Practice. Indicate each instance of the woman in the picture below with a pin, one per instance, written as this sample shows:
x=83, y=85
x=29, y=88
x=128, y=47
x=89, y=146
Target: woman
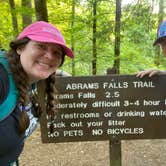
x=35, y=55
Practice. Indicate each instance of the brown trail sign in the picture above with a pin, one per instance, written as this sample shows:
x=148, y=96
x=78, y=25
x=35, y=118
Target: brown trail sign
x=96, y=108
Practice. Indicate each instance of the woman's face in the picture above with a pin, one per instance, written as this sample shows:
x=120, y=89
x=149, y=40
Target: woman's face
x=39, y=60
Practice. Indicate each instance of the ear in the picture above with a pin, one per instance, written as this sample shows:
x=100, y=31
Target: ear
x=18, y=50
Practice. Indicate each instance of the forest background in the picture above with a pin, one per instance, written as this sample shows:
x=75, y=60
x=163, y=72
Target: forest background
x=103, y=34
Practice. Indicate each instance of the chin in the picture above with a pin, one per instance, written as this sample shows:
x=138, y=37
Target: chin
x=43, y=77
x=38, y=78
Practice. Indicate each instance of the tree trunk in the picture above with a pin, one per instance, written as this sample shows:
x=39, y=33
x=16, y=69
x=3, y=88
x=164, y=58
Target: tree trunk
x=26, y=19
x=41, y=10
x=72, y=35
x=14, y=16
x=94, y=53
x=116, y=65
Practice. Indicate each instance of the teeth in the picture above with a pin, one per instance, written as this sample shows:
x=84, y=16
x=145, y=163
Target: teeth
x=43, y=64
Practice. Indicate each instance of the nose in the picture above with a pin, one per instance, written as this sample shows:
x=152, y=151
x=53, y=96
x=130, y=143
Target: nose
x=55, y=59
x=49, y=55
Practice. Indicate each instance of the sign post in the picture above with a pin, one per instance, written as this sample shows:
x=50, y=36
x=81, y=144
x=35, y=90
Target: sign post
x=114, y=145
x=115, y=152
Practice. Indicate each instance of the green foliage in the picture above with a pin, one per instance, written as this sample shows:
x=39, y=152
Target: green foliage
x=7, y=33
x=5, y=28
x=138, y=31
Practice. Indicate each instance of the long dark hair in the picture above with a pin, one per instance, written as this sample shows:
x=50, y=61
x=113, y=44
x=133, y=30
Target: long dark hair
x=23, y=86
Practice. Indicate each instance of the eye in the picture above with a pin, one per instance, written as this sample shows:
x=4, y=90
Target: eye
x=58, y=53
x=41, y=46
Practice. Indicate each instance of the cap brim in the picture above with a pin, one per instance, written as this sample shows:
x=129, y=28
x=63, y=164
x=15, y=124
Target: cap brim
x=66, y=50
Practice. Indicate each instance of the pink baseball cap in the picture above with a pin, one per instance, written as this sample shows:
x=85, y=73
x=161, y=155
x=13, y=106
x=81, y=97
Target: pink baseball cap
x=45, y=32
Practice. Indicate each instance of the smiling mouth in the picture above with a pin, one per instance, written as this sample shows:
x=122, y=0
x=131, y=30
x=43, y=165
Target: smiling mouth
x=45, y=65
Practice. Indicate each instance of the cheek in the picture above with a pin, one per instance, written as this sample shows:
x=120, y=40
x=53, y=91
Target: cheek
x=26, y=60
x=58, y=61
x=23, y=60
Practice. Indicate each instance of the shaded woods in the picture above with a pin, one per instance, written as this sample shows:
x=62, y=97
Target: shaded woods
x=110, y=34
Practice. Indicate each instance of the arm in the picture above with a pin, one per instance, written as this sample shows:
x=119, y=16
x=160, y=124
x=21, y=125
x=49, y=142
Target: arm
x=150, y=73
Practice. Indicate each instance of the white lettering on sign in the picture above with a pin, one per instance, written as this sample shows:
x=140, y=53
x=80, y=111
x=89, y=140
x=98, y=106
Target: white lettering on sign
x=108, y=114
x=132, y=131
x=115, y=85
x=150, y=102
x=57, y=125
x=94, y=124
x=64, y=96
x=97, y=132
x=106, y=104
x=76, y=124
x=130, y=113
x=128, y=103
x=88, y=95
x=157, y=113
x=112, y=94
x=141, y=84
x=72, y=133
x=81, y=86
x=116, y=123
x=54, y=134
x=71, y=105
x=80, y=115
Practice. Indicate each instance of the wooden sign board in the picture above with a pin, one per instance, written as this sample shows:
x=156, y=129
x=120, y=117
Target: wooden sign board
x=95, y=108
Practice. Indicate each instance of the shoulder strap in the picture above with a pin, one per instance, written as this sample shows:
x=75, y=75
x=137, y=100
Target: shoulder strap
x=10, y=102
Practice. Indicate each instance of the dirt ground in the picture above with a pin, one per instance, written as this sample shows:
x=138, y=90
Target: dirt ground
x=134, y=153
